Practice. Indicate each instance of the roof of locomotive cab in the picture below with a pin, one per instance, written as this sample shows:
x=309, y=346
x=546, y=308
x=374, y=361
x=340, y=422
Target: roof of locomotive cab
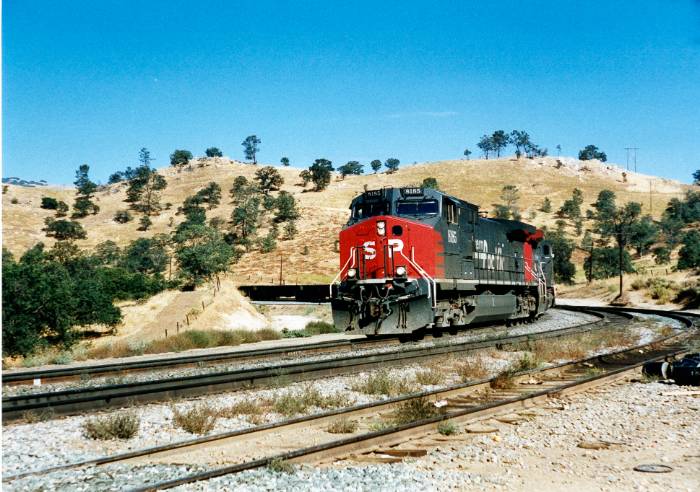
x=391, y=193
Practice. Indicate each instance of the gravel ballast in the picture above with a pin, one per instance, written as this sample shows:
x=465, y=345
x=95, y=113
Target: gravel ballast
x=44, y=444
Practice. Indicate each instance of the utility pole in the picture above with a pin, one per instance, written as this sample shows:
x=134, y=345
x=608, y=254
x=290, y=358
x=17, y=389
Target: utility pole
x=634, y=155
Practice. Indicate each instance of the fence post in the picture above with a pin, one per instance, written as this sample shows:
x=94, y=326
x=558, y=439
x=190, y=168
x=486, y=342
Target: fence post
x=166, y=333
x=187, y=318
x=202, y=305
x=177, y=326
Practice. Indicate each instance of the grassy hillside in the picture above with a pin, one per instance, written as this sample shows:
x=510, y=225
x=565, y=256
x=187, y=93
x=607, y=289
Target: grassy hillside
x=324, y=213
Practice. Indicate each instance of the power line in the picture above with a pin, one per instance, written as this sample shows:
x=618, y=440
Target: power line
x=635, y=149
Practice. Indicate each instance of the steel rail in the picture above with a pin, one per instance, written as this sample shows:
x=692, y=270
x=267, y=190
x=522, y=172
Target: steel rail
x=45, y=376
x=397, y=434
x=374, y=408
x=70, y=401
x=67, y=373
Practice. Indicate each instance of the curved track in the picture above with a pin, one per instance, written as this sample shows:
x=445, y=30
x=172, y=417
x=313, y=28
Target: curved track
x=465, y=402
x=72, y=401
x=121, y=368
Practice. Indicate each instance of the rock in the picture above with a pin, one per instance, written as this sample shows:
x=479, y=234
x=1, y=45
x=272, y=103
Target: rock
x=480, y=429
x=593, y=445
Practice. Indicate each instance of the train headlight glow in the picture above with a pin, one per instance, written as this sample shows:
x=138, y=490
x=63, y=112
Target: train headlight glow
x=400, y=271
x=352, y=273
x=381, y=227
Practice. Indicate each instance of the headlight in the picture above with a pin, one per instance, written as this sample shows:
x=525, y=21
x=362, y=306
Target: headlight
x=381, y=227
x=400, y=271
x=352, y=272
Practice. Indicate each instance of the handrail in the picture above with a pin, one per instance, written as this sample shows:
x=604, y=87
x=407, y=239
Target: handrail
x=424, y=274
x=352, y=257
x=541, y=281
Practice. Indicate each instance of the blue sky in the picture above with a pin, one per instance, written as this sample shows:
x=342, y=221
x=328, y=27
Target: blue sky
x=94, y=81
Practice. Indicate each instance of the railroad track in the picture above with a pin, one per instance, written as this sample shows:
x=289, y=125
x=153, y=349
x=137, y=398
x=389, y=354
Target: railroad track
x=464, y=402
x=45, y=376
x=73, y=401
x=77, y=373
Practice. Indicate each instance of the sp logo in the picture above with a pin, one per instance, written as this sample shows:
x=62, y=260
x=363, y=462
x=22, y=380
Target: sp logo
x=370, y=248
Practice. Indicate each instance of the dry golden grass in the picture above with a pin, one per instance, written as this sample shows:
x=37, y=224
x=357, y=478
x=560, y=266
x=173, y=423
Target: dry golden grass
x=430, y=376
x=469, y=370
x=119, y=426
x=188, y=340
x=342, y=426
x=382, y=383
x=574, y=348
x=310, y=257
x=299, y=401
x=323, y=213
x=199, y=419
x=244, y=407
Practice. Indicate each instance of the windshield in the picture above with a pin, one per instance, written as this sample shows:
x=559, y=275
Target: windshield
x=364, y=210
x=425, y=207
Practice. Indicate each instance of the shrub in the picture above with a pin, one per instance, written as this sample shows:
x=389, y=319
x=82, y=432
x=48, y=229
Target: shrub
x=14, y=201
x=472, y=369
x=243, y=407
x=430, y=183
x=64, y=229
x=662, y=255
x=413, y=410
x=268, y=244
x=49, y=203
x=123, y=216
x=320, y=328
x=200, y=419
x=689, y=297
x=689, y=254
x=41, y=415
x=145, y=222
x=119, y=426
x=430, y=376
x=280, y=466
x=546, y=205
x=293, y=403
x=342, y=426
x=662, y=290
x=290, y=404
x=638, y=284
x=503, y=380
x=382, y=383
x=526, y=362
x=446, y=428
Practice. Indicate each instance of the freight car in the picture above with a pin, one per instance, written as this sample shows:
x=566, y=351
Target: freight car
x=416, y=259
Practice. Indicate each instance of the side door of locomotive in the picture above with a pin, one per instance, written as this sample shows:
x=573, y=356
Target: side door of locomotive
x=466, y=226
x=451, y=226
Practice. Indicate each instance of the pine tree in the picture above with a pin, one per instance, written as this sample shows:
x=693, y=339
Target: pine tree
x=251, y=148
x=85, y=190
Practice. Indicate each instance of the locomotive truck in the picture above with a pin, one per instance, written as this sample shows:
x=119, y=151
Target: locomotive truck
x=416, y=259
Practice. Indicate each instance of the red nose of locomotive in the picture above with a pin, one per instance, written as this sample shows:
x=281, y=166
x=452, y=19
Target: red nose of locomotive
x=388, y=246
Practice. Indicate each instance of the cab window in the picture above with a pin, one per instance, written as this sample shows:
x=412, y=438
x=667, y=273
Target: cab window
x=418, y=208
x=364, y=210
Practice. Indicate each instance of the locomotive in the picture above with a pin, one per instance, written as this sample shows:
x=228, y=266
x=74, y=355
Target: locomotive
x=416, y=259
